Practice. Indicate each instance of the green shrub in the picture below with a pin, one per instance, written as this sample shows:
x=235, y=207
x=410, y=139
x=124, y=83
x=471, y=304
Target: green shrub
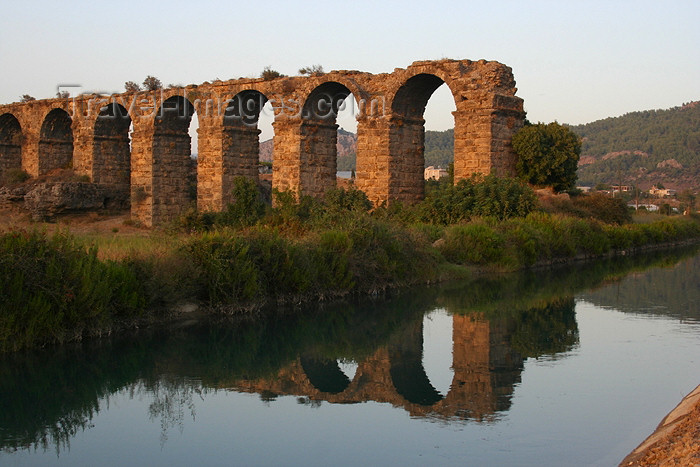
x=283, y=268
x=353, y=200
x=14, y=176
x=51, y=290
x=386, y=255
x=473, y=243
x=523, y=243
x=247, y=206
x=225, y=270
x=246, y=209
x=603, y=208
x=478, y=196
x=398, y=212
x=332, y=261
x=193, y=221
x=292, y=214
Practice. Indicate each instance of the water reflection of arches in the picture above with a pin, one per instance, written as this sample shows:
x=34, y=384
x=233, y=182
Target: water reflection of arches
x=488, y=356
x=324, y=374
x=406, y=368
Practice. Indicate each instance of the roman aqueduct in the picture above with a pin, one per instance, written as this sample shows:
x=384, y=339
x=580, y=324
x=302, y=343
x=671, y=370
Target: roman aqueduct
x=91, y=134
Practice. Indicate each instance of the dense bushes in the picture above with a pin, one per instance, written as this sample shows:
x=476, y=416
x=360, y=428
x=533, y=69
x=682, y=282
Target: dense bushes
x=52, y=290
x=261, y=264
x=245, y=210
x=520, y=242
x=594, y=206
x=477, y=196
x=13, y=176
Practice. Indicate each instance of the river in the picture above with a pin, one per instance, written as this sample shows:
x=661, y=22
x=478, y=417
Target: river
x=572, y=366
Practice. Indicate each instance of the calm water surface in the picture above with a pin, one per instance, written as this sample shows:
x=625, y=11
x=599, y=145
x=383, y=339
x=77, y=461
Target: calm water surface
x=568, y=367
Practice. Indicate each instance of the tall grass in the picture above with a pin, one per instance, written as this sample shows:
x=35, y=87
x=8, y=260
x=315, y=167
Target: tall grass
x=539, y=237
x=52, y=290
x=366, y=255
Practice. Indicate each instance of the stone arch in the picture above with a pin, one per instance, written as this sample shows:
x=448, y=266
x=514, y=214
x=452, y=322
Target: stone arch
x=325, y=374
x=111, y=164
x=407, y=136
x=319, y=137
x=10, y=143
x=55, y=141
x=173, y=170
x=411, y=97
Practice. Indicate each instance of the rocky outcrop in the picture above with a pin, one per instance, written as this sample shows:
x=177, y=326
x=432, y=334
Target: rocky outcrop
x=47, y=200
x=10, y=195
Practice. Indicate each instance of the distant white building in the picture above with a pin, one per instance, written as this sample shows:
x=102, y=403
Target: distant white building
x=432, y=173
x=648, y=207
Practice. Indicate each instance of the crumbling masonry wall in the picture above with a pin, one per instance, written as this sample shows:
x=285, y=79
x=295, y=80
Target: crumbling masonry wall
x=90, y=133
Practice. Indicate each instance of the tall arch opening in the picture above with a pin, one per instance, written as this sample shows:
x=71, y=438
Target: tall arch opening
x=241, y=150
x=319, y=138
x=112, y=149
x=438, y=152
x=174, y=187
x=347, y=138
x=10, y=144
x=407, y=137
x=266, y=156
x=55, y=142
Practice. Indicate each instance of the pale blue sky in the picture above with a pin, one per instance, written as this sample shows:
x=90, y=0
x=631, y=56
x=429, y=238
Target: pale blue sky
x=574, y=62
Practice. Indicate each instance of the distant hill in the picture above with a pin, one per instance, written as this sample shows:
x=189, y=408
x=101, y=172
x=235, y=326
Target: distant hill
x=439, y=148
x=643, y=148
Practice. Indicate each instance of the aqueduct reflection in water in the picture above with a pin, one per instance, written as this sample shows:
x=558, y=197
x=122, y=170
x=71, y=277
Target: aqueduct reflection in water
x=47, y=397
x=485, y=363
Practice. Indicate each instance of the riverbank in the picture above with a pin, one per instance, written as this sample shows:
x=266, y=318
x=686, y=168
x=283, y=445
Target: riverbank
x=676, y=441
x=74, y=283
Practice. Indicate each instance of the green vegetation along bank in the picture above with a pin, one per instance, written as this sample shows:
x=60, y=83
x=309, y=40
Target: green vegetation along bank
x=57, y=288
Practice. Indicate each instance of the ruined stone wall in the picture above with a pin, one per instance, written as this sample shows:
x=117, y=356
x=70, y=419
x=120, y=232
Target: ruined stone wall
x=390, y=134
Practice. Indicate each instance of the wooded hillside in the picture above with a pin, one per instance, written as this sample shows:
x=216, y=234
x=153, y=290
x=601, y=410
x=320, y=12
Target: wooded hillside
x=639, y=148
x=643, y=148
